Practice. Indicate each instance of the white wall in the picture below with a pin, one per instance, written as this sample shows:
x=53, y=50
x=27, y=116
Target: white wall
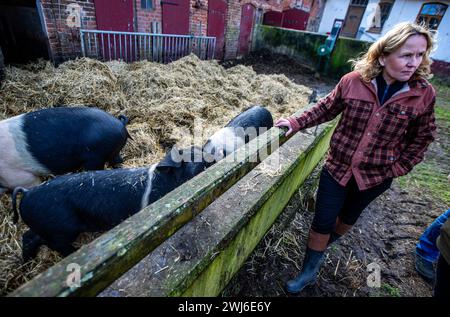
x=334, y=9
x=402, y=10
x=407, y=10
x=363, y=26
x=442, y=52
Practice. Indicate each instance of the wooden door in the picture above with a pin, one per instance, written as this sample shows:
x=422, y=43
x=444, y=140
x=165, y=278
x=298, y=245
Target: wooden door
x=217, y=15
x=247, y=15
x=115, y=15
x=175, y=17
x=295, y=19
x=353, y=19
x=272, y=18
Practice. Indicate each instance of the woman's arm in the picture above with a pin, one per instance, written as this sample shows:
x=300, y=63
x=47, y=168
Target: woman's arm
x=325, y=110
x=421, y=134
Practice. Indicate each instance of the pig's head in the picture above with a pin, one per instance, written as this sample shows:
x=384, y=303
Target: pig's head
x=183, y=164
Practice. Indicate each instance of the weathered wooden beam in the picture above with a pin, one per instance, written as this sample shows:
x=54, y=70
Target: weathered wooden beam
x=201, y=258
x=105, y=259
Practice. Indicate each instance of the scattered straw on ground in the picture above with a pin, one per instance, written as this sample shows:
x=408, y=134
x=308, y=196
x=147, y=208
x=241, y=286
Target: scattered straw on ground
x=162, y=102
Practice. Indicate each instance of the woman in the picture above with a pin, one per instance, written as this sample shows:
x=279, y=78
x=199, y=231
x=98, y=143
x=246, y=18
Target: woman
x=387, y=123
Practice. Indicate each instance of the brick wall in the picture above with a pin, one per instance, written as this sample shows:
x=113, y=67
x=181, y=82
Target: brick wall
x=315, y=15
x=198, y=17
x=234, y=18
x=232, y=29
x=441, y=69
x=145, y=17
x=64, y=39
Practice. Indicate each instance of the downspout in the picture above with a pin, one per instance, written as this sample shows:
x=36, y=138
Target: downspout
x=135, y=20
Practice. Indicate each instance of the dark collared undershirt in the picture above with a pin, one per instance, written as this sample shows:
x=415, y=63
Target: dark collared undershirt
x=385, y=91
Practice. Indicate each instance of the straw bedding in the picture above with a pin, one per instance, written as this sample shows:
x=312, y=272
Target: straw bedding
x=164, y=103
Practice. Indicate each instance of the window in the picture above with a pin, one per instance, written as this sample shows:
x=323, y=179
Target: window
x=147, y=4
x=361, y=3
x=382, y=14
x=431, y=14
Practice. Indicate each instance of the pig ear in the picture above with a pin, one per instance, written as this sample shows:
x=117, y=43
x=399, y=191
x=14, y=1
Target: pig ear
x=171, y=160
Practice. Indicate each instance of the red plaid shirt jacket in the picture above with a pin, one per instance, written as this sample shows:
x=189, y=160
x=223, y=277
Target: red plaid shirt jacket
x=373, y=142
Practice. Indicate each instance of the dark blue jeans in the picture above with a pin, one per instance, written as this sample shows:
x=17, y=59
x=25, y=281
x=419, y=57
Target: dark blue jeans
x=426, y=247
x=347, y=202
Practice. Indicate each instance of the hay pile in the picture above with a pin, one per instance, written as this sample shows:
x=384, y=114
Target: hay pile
x=162, y=102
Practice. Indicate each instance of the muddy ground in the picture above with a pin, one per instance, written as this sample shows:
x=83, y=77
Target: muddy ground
x=385, y=234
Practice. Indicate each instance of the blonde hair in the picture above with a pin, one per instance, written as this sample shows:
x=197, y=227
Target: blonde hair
x=368, y=65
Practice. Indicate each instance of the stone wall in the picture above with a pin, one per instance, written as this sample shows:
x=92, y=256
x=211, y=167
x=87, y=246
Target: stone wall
x=302, y=46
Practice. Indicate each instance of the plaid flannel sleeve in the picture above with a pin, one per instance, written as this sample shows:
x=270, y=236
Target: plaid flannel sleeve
x=421, y=134
x=325, y=110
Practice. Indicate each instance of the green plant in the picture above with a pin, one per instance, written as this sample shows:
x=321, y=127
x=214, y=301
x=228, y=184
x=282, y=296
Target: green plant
x=389, y=290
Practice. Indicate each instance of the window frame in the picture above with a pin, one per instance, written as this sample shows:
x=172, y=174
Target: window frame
x=147, y=2
x=428, y=16
x=378, y=30
x=357, y=3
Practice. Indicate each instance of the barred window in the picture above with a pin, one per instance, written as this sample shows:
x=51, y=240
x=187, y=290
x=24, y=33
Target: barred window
x=431, y=14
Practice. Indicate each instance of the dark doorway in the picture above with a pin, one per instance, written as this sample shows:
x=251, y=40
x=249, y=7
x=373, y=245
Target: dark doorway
x=22, y=35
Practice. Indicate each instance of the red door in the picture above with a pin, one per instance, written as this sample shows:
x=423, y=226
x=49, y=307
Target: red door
x=247, y=14
x=115, y=15
x=272, y=18
x=295, y=19
x=217, y=13
x=175, y=17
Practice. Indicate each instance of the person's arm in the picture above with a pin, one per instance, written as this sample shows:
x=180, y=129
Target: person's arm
x=421, y=134
x=325, y=110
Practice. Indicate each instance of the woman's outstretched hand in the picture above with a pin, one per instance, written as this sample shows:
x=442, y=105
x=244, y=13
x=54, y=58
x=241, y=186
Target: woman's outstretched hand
x=284, y=123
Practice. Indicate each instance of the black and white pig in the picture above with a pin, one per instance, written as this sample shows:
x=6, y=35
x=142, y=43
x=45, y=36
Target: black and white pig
x=57, y=141
x=58, y=210
x=239, y=131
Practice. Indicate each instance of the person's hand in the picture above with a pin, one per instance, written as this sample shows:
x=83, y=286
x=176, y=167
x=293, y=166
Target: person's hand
x=284, y=123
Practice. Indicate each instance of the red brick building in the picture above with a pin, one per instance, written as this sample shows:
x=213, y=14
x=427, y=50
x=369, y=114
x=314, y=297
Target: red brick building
x=53, y=30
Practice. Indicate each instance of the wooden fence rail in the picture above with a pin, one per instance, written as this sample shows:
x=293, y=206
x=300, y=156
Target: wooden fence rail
x=104, y=260
x=202, y=257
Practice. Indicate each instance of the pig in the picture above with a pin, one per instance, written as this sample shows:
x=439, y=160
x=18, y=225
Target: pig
x=57, y=211
x=239, y=131
x=56, y=141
